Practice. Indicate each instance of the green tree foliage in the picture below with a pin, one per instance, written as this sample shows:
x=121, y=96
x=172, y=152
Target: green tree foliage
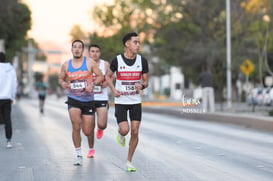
x=191, y=33
x=144, y=17
x=196, y=39
x=114, y=21
x=110, y=46
x=113, y=17
x=258, y=37
x=15, y=21
x=206, y=40
x=77, y=33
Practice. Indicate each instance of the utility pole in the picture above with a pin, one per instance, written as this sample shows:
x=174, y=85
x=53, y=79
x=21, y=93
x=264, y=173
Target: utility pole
x=2, y=45
x=229, y=85
x=31, y=52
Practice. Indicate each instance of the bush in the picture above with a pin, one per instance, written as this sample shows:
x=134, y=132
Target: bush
x=270, y=113
x=167, y=92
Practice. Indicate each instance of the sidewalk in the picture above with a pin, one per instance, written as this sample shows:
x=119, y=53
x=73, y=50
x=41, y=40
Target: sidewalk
x=240, y=113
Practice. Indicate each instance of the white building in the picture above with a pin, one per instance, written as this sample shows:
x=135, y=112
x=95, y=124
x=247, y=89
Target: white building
x=174, y=82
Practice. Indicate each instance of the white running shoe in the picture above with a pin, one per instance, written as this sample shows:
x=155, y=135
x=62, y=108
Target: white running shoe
x=9, y=145
x=130, y=167
x=78, y=161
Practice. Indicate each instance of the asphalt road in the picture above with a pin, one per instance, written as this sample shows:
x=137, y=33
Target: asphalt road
x=170, y=149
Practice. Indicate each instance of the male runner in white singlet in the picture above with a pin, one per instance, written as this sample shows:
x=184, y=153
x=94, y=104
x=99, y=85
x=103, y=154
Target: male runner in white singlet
x=131, y=78
x=100, y=97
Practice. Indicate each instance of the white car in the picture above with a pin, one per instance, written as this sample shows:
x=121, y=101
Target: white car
x=255, y=97
x=268, y=96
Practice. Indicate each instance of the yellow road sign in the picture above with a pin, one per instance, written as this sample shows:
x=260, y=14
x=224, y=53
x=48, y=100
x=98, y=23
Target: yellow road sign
x=247, y=67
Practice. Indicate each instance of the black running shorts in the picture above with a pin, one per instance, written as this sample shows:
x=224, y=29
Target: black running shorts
x=87, y=108
x=98, y=104
x=121, y=111
x=41, y=97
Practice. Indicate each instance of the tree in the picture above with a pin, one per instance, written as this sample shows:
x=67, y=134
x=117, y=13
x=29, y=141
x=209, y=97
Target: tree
x=144, y=17
x=202, y=34
x=77, y=33
x=15, y=22
x=111, y=46
x=139, y=15
x=260, y=31
x=192, y=33
x=196, y=39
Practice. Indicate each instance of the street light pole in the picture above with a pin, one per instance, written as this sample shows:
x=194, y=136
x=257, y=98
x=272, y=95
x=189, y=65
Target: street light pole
x=2, y=45
x=31, y=56
x=229, y=88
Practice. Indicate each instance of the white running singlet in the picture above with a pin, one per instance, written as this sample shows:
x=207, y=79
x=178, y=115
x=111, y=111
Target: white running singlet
x=127, y=77
x=100, y=94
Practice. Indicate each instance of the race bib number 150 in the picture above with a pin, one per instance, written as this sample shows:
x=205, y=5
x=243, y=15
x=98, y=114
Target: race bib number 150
x=129, y=88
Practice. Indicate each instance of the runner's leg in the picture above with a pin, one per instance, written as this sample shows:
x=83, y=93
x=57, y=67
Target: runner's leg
x=75, y=117
x=88, y=128
x=134, y=139
x=123, y=128
x=102, y=116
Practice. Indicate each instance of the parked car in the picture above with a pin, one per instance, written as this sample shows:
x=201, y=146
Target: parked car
x=260, y=96
x=255, y=97
x=267, y=96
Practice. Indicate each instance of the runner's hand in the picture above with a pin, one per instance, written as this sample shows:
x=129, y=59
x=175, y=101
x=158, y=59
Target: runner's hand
x=65, y=85
x=117, y=93
x=89, y=88
x=138, y=87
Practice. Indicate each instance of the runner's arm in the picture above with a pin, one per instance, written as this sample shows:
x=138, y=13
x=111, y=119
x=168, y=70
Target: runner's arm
x=62, y=76
x=96, y=70
x=109, y=79
x=145, y=80
x=145, y=74
x=104, y=83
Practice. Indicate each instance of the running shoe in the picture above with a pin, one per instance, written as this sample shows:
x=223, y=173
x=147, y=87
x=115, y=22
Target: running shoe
x=91, y=153
x=121, y=140
x=9, y=145
x=78, y=161
x=99, y=133
x=130, y=167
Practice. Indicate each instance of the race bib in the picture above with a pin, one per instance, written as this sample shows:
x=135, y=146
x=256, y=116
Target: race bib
x=97, y=89
x=78, y=85
x=128, y=88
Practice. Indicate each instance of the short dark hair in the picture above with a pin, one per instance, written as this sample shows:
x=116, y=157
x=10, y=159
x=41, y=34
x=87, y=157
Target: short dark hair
x=94, y=45
x=128, y=36
x=78, y=41
x=2, y=57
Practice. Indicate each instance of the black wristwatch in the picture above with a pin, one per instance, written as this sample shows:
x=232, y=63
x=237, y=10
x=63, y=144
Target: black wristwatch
x=143, y=87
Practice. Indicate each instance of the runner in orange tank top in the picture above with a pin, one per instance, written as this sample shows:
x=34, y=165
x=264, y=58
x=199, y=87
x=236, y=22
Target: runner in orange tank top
x=76, y=76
